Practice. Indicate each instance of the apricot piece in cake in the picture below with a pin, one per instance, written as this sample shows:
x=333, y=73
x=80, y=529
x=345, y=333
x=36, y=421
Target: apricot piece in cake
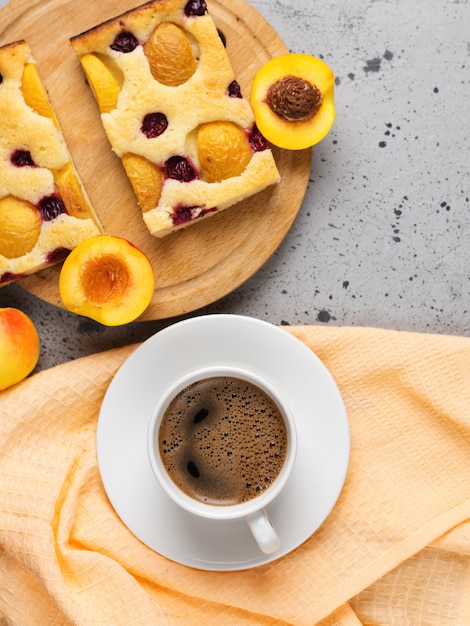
x=102, y=81
x=292, y=98
x=34, y=93
x=146, y=179
x=107, y=279
x=223, y=150
x=20, y=225
x=170, y=55
x=71, y=191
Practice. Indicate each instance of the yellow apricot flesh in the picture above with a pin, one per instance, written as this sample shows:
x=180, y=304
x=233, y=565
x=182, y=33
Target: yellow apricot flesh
x=107, y=279
x=19, y=346
x=104, y=85
x=223, y=150
x=20, y=226
x=307, y=130
x=34, y=93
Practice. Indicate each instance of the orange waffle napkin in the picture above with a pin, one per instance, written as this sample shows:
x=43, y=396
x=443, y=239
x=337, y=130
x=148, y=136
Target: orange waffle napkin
x=394, y=551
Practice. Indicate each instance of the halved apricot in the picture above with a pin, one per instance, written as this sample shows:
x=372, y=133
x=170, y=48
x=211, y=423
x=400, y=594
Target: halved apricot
x=107, y=279
x=292, y=97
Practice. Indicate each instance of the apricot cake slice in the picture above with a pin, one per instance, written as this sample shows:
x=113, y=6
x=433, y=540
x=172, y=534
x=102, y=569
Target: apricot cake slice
x=44, y=209
x=174, y=113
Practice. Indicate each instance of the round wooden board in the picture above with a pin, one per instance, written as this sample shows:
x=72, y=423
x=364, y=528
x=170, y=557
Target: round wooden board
x=204, y=262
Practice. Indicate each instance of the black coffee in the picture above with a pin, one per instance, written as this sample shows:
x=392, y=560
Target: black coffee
x=223, y=440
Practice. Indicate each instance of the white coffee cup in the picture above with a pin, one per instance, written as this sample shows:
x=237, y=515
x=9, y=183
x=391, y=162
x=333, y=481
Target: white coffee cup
x=253, y=510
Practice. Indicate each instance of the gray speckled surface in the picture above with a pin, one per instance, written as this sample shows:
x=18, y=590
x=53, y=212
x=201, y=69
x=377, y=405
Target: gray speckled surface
x=382, y=236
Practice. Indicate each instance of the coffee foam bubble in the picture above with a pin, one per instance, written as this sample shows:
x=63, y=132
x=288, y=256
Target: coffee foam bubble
x=223, y=440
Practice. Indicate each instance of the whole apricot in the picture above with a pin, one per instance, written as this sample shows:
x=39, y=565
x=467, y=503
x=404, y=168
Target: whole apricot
x=292, y=97
x=107, y=279
x=19, y=346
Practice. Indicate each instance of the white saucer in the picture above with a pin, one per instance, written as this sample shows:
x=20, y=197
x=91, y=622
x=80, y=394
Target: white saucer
x=322, y=427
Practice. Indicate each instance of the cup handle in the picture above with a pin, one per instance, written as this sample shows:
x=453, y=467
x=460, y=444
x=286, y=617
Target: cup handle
x=264, y=532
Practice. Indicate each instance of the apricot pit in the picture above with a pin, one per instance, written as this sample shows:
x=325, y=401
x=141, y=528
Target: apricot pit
x=107, y=279
x=292, y=98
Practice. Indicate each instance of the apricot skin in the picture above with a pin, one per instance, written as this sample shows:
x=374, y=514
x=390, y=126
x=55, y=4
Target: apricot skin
x=223, y=150
x=293, y=135
x=107, y=279
x=19, y=346
x=169, y=55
